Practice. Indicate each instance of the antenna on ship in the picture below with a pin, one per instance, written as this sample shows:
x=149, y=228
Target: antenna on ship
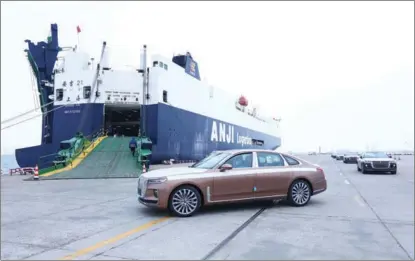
x=78, y=31
x=278, y=120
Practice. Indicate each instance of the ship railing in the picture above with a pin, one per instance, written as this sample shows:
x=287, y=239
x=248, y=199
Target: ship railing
x=142, y=160
x=50, y=161
x=92, y=138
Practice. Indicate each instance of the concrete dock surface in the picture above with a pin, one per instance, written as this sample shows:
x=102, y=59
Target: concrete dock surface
x=358, y=217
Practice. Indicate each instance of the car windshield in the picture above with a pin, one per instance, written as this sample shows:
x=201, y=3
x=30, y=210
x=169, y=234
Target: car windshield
x=212, y=160
x=376, y=155
x=351, y=154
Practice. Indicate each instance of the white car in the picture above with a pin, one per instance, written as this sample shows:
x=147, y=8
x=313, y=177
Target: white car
x=376, y=162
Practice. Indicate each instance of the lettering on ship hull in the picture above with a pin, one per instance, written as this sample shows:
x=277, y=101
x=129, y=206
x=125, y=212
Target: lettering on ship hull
x=225, y=133
x=72, y=109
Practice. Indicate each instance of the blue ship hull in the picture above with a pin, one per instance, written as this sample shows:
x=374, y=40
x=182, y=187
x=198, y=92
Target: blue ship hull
x=176, y=134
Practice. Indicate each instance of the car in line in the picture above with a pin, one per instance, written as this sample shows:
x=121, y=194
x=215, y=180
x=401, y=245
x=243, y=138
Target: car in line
x=340, y=156
x=231, y=176
x=376, y=162
x=350, y=157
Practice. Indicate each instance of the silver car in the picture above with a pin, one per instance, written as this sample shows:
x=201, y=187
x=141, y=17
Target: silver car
x=376, y=162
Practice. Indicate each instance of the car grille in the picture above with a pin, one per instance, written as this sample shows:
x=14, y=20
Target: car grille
x=380, y=164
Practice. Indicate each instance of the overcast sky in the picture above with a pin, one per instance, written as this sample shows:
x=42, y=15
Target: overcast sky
x=340, y=74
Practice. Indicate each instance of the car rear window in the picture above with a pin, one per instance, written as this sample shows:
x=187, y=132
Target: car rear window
x=269, y=159
x=291, y=161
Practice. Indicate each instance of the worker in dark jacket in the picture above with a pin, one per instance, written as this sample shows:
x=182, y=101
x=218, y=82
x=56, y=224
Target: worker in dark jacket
x=133, y=145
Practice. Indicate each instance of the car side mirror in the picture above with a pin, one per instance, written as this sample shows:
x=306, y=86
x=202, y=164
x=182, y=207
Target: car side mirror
x=225, y=167
x=361, y=157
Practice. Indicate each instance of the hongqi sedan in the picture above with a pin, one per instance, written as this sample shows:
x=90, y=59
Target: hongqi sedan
x=231, y=176
x=376, y=162
x=350, y=158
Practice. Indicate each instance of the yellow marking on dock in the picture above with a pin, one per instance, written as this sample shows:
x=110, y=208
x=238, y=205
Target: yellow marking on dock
x=114, y=239
x=78, y=159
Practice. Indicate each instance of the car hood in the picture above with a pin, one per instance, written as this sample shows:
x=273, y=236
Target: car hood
x=379, y=159
x=168, y=172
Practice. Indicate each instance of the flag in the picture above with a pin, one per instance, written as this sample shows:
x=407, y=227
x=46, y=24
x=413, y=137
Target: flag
x=78, y=29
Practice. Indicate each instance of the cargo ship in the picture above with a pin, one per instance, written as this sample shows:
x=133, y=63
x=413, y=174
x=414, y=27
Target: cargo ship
x=165, y=100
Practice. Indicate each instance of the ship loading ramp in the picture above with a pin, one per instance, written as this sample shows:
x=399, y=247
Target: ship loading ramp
x=111, y=158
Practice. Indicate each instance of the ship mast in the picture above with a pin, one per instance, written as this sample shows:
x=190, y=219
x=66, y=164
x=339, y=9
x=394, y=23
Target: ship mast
x=142, y=128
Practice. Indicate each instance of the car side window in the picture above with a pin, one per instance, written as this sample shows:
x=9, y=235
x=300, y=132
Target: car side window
x=266, y=159
x=291, y=161
x=243, y=160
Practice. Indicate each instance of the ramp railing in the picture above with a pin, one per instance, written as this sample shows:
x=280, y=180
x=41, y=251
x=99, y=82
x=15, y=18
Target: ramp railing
x=144, y=147
x=53, y=162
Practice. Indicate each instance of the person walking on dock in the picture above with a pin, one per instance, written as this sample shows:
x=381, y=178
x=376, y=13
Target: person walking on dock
x=133, y=145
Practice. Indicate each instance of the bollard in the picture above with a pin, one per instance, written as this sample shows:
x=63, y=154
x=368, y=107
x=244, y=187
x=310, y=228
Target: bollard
x=36, y=174
x=144, y=168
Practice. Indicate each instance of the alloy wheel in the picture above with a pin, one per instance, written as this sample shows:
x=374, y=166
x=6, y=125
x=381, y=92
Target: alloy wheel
x=185, y=201
x=300, y=193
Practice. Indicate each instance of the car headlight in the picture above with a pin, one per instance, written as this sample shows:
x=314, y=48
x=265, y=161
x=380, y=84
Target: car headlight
x=157, y=180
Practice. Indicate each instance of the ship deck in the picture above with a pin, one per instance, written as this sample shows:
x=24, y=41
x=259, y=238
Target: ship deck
x=358, y=217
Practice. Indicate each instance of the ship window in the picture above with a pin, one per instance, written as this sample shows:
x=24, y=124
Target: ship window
x=155, y=63
x=165, y=96
x=59, y=94
x=165, y=66
x=87, y=92
x=161, y=64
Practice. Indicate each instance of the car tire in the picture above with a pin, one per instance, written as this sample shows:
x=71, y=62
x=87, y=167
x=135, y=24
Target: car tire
x=185, y=201
x=358, y=169
x=295, y=197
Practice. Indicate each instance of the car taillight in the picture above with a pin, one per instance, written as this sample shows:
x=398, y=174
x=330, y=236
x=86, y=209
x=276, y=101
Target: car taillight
x=321, y=171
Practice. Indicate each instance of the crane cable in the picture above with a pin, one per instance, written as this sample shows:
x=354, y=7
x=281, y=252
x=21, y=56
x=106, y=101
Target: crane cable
x=35, y=97
x=25, y=113
x=36, y=116
x=32, y=81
